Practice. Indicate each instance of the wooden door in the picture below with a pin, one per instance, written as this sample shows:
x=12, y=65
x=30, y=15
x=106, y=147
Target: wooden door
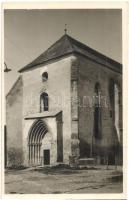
x=46, y=153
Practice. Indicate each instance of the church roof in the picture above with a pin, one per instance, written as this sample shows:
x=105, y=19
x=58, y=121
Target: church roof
x=67, y=45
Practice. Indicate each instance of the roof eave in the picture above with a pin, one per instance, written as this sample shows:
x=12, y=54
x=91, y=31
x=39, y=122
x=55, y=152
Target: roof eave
x=26, y=68
x=117, y=69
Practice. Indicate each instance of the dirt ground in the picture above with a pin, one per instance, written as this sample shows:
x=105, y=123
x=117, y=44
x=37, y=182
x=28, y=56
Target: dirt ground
x=55, y=181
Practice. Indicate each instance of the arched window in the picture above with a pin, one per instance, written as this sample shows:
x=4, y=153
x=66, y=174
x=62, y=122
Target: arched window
x=117, y=110
x=97, y=112
x=114, y=95
x=112, y=98
x=44, y=102
x=44, y=76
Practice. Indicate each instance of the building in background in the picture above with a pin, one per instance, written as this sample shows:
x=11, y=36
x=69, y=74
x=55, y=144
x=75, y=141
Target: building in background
x=66, y=107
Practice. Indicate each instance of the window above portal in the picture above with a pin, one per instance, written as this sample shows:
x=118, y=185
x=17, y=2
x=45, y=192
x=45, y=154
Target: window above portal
x=44, y=76
x=44, y=102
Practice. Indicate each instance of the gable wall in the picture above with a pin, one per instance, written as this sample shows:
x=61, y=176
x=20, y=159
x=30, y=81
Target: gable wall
x=58, y=89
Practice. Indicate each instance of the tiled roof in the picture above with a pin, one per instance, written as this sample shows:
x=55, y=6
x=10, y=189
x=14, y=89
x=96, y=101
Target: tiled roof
x=67, y=45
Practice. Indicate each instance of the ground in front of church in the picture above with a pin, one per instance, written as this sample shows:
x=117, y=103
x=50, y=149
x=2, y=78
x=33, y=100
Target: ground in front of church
x=63, y=180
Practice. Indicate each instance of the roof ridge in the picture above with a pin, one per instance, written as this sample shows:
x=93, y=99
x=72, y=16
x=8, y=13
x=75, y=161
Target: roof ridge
x=53, y=44
x=69, y=39
x=84, y=46
x=44, y=52
x=49, y=48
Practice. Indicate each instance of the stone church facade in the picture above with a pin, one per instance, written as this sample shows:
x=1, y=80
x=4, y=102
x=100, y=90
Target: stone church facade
x=66, y=107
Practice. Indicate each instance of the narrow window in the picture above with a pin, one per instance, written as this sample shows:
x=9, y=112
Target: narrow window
x=44, y=101
x=97, y=112
x=117, y=109
x=44, y=76
x=112, y=99
x=114, y=105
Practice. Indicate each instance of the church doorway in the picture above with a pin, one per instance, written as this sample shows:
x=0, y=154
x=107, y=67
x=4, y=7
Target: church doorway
x=46, y=155
x=37, y=135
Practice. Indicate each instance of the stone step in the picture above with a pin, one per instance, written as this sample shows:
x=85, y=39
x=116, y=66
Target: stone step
x=86, y=161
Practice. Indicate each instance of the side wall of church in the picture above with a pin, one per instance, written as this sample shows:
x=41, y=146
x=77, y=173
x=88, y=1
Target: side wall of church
x=58, y=89
x=89, y=74
x=14, y=124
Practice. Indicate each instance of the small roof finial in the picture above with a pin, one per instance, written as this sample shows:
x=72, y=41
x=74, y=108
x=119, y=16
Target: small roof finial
x=65, y=29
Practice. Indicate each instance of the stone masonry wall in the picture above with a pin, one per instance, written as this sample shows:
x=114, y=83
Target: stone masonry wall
x=14, y=124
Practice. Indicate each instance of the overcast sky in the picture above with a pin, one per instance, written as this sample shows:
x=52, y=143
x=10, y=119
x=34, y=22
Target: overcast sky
x=28, y=33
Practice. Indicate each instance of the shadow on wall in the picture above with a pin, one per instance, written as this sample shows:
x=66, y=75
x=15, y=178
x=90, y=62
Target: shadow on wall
x=111, y=155
x=15, y=158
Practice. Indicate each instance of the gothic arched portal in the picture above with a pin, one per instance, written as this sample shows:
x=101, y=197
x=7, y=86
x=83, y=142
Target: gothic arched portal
x=36, y=134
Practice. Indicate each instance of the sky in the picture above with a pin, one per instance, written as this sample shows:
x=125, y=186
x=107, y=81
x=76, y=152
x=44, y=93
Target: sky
x=28, y=33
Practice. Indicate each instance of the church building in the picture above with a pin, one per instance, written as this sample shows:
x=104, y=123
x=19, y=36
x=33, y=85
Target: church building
x=66, y=108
